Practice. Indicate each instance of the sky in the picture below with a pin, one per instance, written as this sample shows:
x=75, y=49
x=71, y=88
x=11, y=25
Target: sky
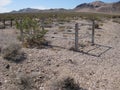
x=10, y=5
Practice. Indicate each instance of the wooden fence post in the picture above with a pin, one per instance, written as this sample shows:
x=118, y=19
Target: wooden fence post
x=42, y=24
x=11, y=22
x=93, y=31
x=21, y=31
x=4, y=23
x=76, y=37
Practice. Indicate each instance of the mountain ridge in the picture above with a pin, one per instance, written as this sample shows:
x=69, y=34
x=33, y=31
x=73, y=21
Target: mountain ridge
x=96, y=6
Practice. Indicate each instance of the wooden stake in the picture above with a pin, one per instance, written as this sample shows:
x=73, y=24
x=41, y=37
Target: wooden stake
x=76, y=37
x=21, y=31
x=11, y=22
x=42, y=24
x=93, y=32
x=4, y=23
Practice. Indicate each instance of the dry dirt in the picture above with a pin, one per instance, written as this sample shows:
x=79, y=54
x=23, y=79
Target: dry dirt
x=98, y=68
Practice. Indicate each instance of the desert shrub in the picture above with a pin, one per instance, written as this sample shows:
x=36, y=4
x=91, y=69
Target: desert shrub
x=35, y=40
x=31, y=33
x=61, y=28
x=117, y=20
x=82, y=45
x=96, y=25
x=61, y=22
x=72, y=48
x=67, y=84
x=2, y=27
x=101, y=24
x=31, y=81
x=69, y=27
x=13, y=52
x=24, y=83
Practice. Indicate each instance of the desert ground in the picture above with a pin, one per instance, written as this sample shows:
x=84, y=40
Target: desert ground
x=94, y=67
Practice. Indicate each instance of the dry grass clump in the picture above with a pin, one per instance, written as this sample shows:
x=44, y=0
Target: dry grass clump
x=24, y=83
x=67, y=84
x=2, y=27
x=97, y=26
x=116, y=20
x=13, y=52
x=31, y=81
x=61, y=28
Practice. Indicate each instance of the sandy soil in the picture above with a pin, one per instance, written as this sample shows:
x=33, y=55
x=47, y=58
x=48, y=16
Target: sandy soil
x=98, y=68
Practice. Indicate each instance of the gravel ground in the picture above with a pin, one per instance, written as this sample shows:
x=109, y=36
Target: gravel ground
x=45, y=67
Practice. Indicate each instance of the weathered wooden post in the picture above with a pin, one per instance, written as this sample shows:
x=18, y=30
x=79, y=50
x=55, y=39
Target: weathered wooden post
x=21, y=31
x=11, y=22
x=4, y=23
x=42, y=24
x=76, y=37
x=93, y=31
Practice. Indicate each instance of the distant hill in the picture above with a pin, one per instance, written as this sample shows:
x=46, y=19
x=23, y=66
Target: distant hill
x=31, y=10
x=99, y=6
x=26, y=10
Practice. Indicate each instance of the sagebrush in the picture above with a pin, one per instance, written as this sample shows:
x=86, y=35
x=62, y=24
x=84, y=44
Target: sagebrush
x=13, y=52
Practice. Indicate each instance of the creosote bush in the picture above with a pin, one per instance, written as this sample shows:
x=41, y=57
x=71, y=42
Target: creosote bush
x=24, y=83
x=13, y=52
x=32, y=34
x=67, y=84
x=35, y=40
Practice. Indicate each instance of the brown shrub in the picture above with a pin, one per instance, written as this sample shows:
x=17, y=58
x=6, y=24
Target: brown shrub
x=13, y=52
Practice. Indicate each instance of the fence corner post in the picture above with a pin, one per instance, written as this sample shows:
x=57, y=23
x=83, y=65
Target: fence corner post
x=76, y=37
x=93, y=32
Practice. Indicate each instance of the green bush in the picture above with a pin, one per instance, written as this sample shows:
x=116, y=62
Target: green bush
x=35, y=40
x=13, y=52
x=31, y=33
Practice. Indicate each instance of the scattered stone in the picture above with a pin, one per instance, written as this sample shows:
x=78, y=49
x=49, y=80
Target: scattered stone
x=0, y=83
x=55, y=32
x=7, y=74
x=91, y=73
x=69, y=30
x=57, y=65
x=70, y=61
x=7, y=66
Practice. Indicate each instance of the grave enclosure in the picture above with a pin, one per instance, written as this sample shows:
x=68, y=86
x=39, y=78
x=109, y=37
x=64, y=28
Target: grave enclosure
x=76, y=37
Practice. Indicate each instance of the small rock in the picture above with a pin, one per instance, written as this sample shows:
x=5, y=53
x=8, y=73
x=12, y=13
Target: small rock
x=70, y=61
x=30, y=54
x=57, y=65
x=0, y=83
x=69, y=31
x=55, y=32
x=7, y=66
x=91, y=73
x=7, y=74
x=41, y=88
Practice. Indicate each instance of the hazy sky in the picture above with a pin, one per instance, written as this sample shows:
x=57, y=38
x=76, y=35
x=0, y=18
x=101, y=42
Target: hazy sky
x=9, y=5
